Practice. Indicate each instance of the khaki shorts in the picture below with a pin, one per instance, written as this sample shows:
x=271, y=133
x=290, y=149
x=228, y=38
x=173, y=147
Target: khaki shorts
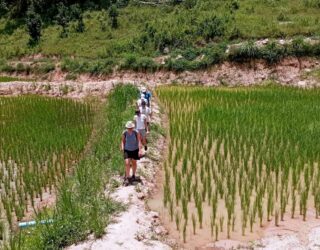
x=142, y=133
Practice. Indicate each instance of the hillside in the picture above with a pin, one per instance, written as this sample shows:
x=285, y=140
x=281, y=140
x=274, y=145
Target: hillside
x=91, y=37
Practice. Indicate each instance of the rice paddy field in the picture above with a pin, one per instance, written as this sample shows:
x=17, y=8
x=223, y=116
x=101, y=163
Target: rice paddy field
x=239, y=159
x=41, y=139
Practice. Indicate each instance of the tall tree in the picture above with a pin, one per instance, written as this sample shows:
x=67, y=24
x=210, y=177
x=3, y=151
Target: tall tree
x=34, y=25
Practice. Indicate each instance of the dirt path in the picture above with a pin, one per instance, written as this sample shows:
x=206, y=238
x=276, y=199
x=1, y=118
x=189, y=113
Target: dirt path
x=137, y=227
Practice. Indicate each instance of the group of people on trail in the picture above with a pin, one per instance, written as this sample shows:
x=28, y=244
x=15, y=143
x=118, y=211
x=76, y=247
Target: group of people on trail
x=134, y=138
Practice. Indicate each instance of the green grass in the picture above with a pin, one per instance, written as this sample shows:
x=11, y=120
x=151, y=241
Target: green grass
x=82, y=206
x=12, y=79
x=254, y=151
x=145, y=31
x=41, y=138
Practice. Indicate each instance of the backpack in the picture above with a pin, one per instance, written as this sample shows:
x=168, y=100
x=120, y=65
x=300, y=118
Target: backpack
x=147, y=96
x=134, y=131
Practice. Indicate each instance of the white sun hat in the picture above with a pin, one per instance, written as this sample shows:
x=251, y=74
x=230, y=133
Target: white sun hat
x=143, y=89
x=130, y=124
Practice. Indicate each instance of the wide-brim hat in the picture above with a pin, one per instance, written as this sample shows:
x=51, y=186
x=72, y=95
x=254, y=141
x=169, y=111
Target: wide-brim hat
x=130, y=124
x=143, y=89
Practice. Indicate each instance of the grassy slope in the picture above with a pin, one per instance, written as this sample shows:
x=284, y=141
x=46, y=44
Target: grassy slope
x=82, y=206
x=254, y=19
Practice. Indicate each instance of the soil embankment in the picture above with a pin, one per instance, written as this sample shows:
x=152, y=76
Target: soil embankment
x=289, y=71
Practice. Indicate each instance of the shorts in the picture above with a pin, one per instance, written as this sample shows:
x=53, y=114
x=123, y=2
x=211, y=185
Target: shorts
x=142, y=132
x=134, y=155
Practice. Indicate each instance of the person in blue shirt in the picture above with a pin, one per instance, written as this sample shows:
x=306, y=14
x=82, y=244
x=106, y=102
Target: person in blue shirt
x=147, y=95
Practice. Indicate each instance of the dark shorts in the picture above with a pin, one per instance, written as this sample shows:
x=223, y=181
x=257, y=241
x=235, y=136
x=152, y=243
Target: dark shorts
x=131, y=154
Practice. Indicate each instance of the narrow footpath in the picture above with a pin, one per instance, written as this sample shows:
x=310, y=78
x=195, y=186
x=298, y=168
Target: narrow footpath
x=137, y=227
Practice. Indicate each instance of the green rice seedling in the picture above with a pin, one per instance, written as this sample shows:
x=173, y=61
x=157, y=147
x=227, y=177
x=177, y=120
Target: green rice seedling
x=217, y=232
x=171, y=210
x=233, y=222
x=177, y=219
x=212, y=225
x=194, y=223
x=199, y=210
x=184, y=232
x=185, y=208
x=221, y=221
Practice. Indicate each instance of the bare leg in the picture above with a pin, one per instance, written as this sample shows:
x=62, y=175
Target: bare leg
x=134, y=167
x=127, y=162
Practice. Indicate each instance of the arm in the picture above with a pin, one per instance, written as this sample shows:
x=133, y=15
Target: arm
x=123, y=142
x=140, y=143
x=135, y=121
x=145, y=124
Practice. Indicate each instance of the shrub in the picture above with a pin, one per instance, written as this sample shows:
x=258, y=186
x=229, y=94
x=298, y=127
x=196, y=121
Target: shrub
x=300, y=48
x=273, y=52
x=244, y=52
x=211, y=27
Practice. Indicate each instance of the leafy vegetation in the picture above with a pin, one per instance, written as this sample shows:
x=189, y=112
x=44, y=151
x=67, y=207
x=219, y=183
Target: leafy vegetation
x=131, y=35
x=82, y=206
x=247, y=155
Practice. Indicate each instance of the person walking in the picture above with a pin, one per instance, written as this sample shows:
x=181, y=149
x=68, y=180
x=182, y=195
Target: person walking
x=140, y=121
x=147, y=112
x=140, y=100
x=147, y=95
x=131, y=147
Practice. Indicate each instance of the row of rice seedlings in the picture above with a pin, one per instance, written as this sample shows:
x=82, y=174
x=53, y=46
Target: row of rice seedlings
x=261, y=169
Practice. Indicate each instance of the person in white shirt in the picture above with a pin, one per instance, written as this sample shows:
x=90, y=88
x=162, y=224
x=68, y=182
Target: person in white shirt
x=147, y=112
x=140, y=121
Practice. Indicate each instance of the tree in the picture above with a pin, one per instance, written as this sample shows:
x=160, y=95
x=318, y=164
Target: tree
x=76, y=14
x=113, y=15
x=34, y=25
x=3, y=6
x=63, y=19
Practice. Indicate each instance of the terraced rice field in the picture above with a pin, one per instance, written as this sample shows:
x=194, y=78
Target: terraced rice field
x=41, y=138
x=239, y=158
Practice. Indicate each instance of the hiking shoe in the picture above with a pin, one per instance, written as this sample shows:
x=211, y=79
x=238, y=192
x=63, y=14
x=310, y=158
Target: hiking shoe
x=145, y=147
x=126, y=182
x=133, y=177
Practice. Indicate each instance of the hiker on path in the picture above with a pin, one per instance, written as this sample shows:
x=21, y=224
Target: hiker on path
x=147, y=95
x=131, y=147
x=140, y=100
x=147, y=112
x=140, y=121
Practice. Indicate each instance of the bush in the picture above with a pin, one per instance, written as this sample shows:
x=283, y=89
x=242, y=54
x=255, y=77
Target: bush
x=244, y=52
x=136, y=63
x=300, y=48
x=43, y=68
x=211, y=27
x=102, y=66
x=273, y=52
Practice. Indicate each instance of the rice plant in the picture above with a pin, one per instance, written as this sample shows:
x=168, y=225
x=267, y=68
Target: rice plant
x=247, y=155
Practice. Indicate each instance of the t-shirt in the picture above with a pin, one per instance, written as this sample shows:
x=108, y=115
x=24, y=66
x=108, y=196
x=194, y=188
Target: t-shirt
x=146, y=111
x=140, y=121
x=140, y=101
x=147, y=96
x=131, y=140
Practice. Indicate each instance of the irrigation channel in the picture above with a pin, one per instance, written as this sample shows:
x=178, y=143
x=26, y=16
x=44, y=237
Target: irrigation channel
x=227, y=167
